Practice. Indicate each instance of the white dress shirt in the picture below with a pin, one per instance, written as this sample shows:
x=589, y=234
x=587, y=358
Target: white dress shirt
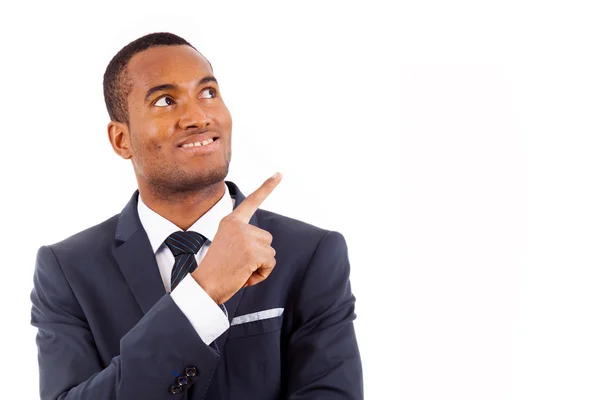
x=204, y=314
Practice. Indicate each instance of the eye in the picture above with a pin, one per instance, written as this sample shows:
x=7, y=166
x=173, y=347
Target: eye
x=208, y=93
x=164, y=101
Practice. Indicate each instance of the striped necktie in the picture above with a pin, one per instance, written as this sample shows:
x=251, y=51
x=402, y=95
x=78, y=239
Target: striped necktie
x=184, y=246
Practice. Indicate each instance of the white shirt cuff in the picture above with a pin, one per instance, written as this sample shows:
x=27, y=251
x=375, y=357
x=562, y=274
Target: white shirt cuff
x=204, y=314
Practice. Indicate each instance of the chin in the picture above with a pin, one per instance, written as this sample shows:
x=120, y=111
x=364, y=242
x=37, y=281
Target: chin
x=202, y=179
x=169, y=181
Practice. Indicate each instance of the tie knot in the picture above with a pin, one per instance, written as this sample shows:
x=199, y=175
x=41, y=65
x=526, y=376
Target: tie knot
x=185, y=242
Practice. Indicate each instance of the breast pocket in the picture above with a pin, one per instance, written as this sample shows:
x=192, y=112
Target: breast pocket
x=255, y=324
x=252, y=353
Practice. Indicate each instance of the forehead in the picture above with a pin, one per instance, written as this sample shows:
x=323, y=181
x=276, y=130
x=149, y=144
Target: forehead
x=167, y=64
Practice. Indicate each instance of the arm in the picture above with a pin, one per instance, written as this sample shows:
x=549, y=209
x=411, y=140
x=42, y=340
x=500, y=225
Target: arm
x=163, y=341
x=324, y=361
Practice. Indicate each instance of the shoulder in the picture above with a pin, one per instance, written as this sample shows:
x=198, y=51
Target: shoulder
x=302, y=237
x=90, y=241
x=288, y=228
x=56, y=263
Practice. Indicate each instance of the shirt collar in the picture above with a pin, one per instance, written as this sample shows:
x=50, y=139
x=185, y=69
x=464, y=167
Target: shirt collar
x=158, y=228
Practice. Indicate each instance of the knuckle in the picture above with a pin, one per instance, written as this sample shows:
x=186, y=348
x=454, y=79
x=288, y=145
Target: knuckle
x=225, y=221
x=269, y=237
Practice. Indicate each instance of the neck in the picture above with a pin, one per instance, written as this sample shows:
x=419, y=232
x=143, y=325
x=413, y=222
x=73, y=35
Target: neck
x=183, y=209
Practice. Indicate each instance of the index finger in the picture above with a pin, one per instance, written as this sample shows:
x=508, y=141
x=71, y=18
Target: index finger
x=248, y=207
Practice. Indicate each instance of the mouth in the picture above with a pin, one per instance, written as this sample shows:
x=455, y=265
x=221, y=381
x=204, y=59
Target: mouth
x=198, y=140
x=198, y=143
x=195, y=145
x=201, y=142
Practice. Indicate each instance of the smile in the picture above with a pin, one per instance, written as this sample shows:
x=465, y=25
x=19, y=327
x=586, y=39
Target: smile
x=198, y=144
x=201, y=147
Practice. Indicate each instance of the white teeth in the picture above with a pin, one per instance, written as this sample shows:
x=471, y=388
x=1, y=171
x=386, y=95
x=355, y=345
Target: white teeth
x=197, y=144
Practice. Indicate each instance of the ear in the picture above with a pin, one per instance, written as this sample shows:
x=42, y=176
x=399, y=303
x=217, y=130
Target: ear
x=118, y=134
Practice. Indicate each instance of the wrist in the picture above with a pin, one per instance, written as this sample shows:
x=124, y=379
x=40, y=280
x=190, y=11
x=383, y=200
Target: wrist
x=205, y=285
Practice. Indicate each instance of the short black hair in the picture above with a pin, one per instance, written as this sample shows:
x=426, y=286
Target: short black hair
x=117, y=85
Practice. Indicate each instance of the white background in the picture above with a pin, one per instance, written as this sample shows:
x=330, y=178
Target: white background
x=454, y=144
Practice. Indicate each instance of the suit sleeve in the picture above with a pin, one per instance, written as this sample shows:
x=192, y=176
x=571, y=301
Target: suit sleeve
x=324, y=358
x=162, y=344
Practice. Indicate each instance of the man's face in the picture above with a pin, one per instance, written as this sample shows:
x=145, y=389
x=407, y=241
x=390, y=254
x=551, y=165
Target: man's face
x=174, y=104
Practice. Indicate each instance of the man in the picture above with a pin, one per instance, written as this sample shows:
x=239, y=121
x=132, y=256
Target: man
x=170, y=298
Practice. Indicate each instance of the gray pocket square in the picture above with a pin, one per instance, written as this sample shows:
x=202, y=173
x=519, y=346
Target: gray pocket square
x=257, y=316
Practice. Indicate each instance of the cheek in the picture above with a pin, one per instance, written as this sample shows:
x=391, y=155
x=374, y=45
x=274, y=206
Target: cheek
x=147, y=148
x=222, y=116
x=227, y=116
x=154, y=148
x=152, y=135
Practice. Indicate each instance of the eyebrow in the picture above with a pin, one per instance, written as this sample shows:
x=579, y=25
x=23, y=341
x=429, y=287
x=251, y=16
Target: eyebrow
x=169, y=86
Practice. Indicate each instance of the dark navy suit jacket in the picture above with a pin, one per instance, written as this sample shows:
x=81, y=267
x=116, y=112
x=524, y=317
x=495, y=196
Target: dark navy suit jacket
x=108, y=330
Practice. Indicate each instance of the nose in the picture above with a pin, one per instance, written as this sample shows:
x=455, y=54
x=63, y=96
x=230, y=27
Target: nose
x=193, y=117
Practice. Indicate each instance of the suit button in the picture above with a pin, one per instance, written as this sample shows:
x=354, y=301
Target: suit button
x=191, y=371
x=182, y=380
x=175, y=389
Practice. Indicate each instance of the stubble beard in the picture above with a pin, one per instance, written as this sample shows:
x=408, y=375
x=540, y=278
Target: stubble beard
x=173, y=183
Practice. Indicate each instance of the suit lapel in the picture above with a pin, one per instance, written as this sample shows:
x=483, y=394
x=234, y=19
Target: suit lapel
x=233, y=303
x=136, y=259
